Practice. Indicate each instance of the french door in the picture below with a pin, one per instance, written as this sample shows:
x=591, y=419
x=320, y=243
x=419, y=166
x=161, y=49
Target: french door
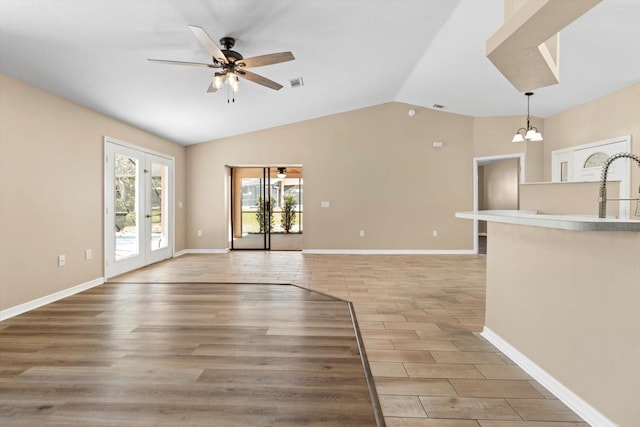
x=138, y=208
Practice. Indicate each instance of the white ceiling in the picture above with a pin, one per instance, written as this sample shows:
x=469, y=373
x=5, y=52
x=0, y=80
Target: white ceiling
x=350, y=53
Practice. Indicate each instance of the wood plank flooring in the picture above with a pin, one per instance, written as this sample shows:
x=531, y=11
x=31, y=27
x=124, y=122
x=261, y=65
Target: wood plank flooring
x=419, y=317
x=135, y=354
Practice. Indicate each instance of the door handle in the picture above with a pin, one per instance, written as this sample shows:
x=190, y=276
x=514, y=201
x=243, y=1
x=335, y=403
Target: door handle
x=148, y=215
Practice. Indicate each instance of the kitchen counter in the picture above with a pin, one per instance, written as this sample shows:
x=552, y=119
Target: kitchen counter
x=562, y=297
x=560, y=222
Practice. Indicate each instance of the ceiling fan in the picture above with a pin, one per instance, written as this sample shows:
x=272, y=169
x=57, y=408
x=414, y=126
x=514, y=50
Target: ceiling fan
x=231, y=64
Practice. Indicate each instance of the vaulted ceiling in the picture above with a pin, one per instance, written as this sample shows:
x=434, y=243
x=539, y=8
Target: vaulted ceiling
x=350, y=54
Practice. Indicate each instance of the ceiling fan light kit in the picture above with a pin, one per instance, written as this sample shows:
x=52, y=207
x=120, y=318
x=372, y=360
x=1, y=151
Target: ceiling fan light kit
x=232, y=64
x=530, y=133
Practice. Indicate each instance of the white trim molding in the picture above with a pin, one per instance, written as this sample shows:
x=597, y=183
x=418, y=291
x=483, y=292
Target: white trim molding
x=48, y=299
x=389, y=251
x=565, y=395
x=200, y=251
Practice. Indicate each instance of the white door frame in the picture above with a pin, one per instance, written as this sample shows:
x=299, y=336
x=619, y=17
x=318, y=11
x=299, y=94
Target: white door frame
x=481, y=161
x=110, y=145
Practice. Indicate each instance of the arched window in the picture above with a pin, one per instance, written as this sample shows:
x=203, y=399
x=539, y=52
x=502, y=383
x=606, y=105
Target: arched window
x=596, y=160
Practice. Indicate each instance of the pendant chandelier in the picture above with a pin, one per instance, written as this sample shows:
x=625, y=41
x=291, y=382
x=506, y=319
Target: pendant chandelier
x=530, y=133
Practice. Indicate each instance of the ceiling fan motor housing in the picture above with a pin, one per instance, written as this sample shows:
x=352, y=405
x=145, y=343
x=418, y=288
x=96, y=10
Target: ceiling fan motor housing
x=232, y=55
x=227, y=43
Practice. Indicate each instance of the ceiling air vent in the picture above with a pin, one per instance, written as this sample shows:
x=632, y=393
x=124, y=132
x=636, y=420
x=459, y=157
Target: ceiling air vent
x=297, y=82
x=438, y=106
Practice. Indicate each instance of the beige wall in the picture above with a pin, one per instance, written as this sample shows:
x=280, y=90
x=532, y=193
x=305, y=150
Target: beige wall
x=613, y=115
x=579, y=198
x=500, y=181
x=51, y=190
x=568, y=301
x=498, y=187
x=376, y=166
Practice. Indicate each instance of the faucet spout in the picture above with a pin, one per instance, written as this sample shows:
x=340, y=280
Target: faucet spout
x=602, y=194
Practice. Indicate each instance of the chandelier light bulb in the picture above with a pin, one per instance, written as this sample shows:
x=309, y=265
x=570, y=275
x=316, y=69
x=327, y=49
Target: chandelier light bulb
x=517, y=138
x=537, y=136
x=530, y=133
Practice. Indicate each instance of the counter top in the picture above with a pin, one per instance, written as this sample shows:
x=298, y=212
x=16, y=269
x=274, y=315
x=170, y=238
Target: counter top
x=562, y=222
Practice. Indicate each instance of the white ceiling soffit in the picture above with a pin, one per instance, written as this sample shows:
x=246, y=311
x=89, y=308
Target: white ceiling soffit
x=350, y=53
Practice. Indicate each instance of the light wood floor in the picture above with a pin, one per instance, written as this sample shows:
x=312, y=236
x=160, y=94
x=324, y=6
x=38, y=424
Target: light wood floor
x=419, y=316
x=206, y=354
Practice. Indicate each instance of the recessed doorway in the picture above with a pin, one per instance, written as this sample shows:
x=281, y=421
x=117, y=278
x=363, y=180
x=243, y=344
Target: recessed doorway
x=496, y=186
x=267, y=208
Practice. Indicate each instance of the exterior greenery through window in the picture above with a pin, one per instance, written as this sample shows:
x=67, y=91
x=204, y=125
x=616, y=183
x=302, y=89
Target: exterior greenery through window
x=284, y=205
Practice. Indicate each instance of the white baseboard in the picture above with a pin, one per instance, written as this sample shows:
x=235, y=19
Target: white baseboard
x=48, y=299
x=348, y=251
x=565, y=395
x=200, y=251
x=389, y=251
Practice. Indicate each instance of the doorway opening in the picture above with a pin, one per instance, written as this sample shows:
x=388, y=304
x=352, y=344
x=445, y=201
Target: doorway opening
x=496, y=185
x=138, y=224
x=267, y=208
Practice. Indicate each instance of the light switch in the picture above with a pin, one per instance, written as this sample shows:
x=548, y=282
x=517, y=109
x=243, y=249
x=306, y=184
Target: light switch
x=324, y=204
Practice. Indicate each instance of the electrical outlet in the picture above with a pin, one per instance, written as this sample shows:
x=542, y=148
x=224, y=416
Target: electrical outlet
x=199, y=233
x=88, y=254
x=361, y=233
x=435, y=233
x=62, y=260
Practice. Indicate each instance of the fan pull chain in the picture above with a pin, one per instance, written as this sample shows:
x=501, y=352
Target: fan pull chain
x=233, y=98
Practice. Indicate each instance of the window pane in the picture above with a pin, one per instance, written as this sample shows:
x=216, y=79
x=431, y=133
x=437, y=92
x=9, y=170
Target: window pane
x=596, y=160
x=126, y=206
x=159, y=206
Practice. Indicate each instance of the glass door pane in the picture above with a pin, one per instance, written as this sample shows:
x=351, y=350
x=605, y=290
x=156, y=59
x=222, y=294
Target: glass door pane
x=127, y=203
x=159, y=206
x=252, y=210
x=286, y=190
x=158, y=179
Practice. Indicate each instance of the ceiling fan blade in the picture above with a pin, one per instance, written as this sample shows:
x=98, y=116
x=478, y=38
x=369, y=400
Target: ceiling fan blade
x=193, y=64
x=212, y=88
x=272, y=58
x=209, y=44
x=256, y=78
